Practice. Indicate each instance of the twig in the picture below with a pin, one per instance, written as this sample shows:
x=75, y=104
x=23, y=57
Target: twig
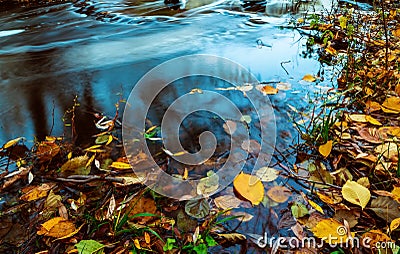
x=89, y=178
x=297, y=177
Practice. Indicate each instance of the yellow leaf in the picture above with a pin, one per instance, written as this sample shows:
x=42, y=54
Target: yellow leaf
x=120, y=165
x=326, y=148
x=329, y=200
x=392, y=104
x=360, y=118
x=37, y=192
x=394, y=224
x=396, y=32
x=110, y=139
x=372, y=120
x=364, y=181
x=388, y=150
x=356, y=194
x=330, y=50
x=331, y=231
x=396, y=193
x=376, y=236
x=372, y=106
x=137, y=244
x=309, y=78
x=315, y=206
x=57, y=227
x=12, y=142
x=70, y=234
x=279, y=194
x=249, y=187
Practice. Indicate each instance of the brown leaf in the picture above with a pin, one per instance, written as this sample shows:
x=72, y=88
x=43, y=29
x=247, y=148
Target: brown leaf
x=279, y=194
x=386, y=208
x=47, y=150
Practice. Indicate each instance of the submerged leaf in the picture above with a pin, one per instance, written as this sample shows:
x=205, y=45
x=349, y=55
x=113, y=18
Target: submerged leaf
x=249, y=187
x=197, y=208
x=279, y=194
x=267, y=174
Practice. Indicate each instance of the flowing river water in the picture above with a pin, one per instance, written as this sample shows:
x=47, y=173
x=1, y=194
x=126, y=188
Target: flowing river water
x=98, y=50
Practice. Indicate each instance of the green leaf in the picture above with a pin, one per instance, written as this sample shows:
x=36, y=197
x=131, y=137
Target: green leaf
x=201, y=249
x=210, y=241
x=299, y=210
x=169, y=245
x=89, y=247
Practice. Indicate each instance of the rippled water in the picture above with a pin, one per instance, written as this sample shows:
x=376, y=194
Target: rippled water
x=98, y=50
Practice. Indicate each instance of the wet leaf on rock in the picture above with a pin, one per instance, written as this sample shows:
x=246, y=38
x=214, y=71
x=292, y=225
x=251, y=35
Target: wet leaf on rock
x=197, y=208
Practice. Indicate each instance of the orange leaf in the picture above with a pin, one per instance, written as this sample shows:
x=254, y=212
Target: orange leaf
x=309, y=78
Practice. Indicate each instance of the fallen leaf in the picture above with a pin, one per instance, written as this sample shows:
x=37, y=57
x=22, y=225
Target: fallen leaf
x=229, y=127
x=396, y=193
x=331, y=231
x=12, y=142
x=198, y=208
x=394, y=224
x=376, y=236
x=37, y=192
x=372, y=106
x=267, y=174
x=356, y=194
x=120, y=165
x=386, y=208
x=227, y=202
x=251, y=146
x=351, y=216
x=232, y=237
x=372, y=120
x=309, y=78
x=315, y=206
x=326, y=148
x=141, y=205
x=249, y=187
x=208, y=185
x=299, y=210
x=57, y=227
x=279, y=194
x=266, y=89
x=75, y=166
x=364, y=181
x=389, y=150
x=244, y=217
x=47, y=150
x=392, y=104
x=359, y=118
x=330, y=50
x=90, y=247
